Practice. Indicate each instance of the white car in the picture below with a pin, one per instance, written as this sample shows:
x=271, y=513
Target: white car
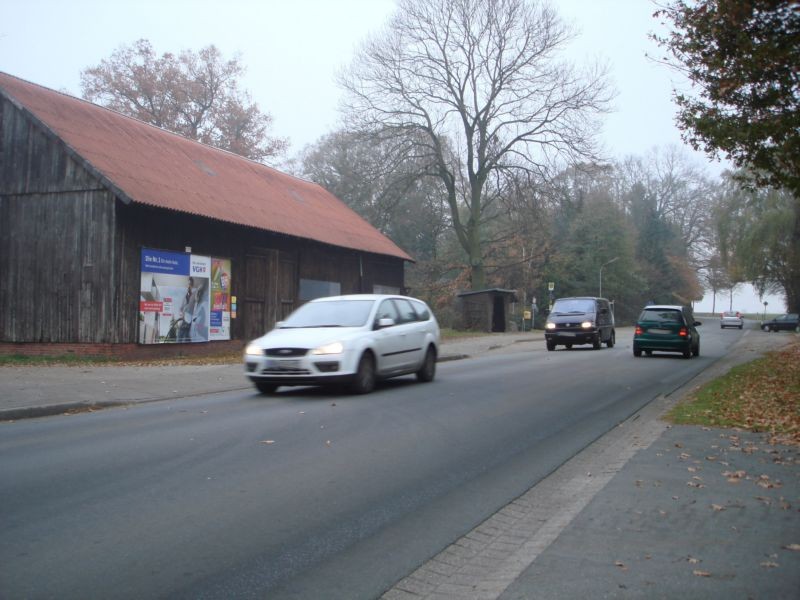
x=354, y=339
x=731, y=319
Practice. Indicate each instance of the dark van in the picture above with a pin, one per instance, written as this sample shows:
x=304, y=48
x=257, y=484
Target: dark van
x=580, y=320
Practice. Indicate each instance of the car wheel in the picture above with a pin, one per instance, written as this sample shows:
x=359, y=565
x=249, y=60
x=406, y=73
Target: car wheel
x=696, y=351
x=551, y=346
x=364, y=380
x=648, y=352
x=596, y=342
x=265, y=388
x=797, y=329
x=637, y=353
x=687, y=353
x=568, y=346
x=427, y=371
x=611, y=340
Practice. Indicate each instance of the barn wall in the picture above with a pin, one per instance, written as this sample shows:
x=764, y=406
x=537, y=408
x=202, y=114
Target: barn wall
x=56, y=231
x=266, y=268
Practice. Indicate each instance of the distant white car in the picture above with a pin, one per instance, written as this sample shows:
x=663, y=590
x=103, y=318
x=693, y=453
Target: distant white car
x=354, y=339
x=731, y=319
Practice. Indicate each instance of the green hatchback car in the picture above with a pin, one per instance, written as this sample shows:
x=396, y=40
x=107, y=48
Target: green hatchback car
x=666, y=328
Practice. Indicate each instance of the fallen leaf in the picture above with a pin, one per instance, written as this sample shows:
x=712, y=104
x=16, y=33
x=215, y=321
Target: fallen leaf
x=793, y=547
x=701, y=573
x=620, y=564
x=769, y=564
x=267, y=442
x=717, y=507
x=692, y=560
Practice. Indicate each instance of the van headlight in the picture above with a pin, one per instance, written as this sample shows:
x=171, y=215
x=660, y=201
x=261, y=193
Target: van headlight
x=586, y=325
x=253, y=350
x=334, y=348
x=550, y=325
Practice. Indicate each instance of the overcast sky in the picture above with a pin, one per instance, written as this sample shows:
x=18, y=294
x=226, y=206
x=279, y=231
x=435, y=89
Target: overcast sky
x=292, y=50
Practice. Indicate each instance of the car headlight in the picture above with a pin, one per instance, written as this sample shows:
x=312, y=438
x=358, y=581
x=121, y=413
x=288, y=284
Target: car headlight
x=586, y=325
x=550, y=325
x=334, y=348
x=253, y=350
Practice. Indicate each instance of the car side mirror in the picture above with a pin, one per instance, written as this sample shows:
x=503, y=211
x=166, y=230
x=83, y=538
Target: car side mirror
x=697, y=323
x=385, y=322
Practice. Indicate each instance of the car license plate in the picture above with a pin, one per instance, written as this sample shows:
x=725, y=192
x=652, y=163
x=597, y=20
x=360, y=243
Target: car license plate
x=659, y=331
x=567, y=334
x=283, y=365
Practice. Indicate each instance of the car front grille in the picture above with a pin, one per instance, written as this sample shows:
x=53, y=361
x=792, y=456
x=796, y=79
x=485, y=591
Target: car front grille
x=285, y=352
x=285, y=371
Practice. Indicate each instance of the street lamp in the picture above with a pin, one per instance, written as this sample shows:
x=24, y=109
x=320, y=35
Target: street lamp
x=600, y=294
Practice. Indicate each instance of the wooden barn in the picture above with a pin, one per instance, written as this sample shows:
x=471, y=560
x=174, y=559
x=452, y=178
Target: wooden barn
x=114, y=234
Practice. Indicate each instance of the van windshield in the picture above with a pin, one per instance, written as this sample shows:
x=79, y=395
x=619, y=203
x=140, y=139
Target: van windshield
x=573, y=306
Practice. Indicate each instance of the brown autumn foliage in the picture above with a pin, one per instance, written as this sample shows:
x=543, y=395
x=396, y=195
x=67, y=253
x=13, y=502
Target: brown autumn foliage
x=194, y=94
x=769, y=398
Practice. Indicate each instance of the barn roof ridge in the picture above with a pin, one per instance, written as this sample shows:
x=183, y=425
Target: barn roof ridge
x=173, y=172
x=157, y=127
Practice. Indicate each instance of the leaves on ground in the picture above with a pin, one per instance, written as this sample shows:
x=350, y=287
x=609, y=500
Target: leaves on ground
x=760, y=396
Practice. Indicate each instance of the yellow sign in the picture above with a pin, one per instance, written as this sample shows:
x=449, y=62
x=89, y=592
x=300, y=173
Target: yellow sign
x=526, y=314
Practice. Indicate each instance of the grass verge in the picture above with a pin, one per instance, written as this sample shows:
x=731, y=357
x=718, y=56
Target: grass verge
x=66, y=360
x=760, y=396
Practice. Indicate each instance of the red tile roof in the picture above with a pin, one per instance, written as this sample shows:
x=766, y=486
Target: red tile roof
x=148, y=165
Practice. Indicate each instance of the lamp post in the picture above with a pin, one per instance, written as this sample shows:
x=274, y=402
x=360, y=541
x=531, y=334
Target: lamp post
x=600, y=294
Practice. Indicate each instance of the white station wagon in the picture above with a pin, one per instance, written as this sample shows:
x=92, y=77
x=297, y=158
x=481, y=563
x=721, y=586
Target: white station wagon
x=354, y=339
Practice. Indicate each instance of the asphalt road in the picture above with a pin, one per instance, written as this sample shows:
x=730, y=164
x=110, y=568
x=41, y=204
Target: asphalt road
x=305, y=494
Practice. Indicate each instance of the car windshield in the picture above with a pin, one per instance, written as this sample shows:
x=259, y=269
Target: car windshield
x=661, y=315
x=336, y=313
x=729, y=314
x=573, y=306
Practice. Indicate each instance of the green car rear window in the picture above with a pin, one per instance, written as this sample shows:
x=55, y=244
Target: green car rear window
x=661, y=316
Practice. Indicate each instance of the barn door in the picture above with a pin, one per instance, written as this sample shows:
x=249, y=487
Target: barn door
x=287, y=285
x=258, y=304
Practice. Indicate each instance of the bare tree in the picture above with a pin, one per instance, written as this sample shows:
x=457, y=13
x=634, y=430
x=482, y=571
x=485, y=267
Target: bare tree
x=677, y=191
x=479, y=85
x=196, y=95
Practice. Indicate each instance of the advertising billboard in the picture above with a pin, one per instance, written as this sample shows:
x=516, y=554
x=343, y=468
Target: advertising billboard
x=183, y=298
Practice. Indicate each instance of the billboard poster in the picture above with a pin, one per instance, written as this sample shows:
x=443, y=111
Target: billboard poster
x=220, y=322
x=175, y=298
